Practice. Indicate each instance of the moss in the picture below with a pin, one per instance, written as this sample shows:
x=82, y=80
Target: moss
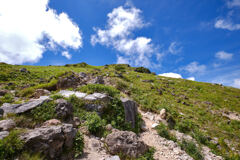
x=11, y=145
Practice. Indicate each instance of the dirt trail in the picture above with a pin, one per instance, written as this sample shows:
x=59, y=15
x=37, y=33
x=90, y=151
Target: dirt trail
x=165, y=149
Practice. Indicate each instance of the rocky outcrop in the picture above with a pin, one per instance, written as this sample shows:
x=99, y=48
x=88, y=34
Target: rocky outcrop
x=113, y=158
x=125, y=142
x=51, y=141
x=21, y=108
x=64, y=110
x=130, y=108
x=7, y=125
x=68, y=81
x=97, y=80
x=3, y=134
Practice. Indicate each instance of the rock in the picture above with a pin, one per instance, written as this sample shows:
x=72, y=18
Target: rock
x=97, y=80
x=67, y=94
x=21, y=108
x=1, y=112
x=24, y=70
x=126, y=143
x=130, y=108
x=82, y=75
x=163, y=113
x=51, y=141
x=69, y=81
x=76, y=122
x=41, y=92
x=64, y=110
x=3, y=134
x=52, y=122
x=154, y=125
x=3, y=92
x=94, y=107
x=7, y=125
x=109, y=127
x=112, y=158
x=97, y=96
x=144, y=127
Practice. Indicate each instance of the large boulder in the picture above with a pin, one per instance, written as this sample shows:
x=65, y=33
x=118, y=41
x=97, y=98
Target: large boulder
x=21, y=108
x=51, y=141
x=126, y=143
x=64, y=110
x=68, y=81
x=3, y=134
x=7, y=125
x=130, y=108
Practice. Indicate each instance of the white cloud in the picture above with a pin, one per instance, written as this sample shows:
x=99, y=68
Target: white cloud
x=194, y=67
x=28, y=28
x=226, y=24
x=191, y=78
x=224, y=55
x=236, y=83
x=122, y=21
x=66, y=54
x=174, y=48
x=171, y=75
x=122, y=60
x=233, y=3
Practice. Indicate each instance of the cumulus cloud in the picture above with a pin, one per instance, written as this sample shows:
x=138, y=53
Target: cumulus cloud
x=28, y=28
x=236, y=83
x=226, y=24
x=174, y=48
x=67, y=55
x=194, y=67
x=191, y=78
x=121, y=23
x=233, y=3
x=224, y=55
x=171, y=75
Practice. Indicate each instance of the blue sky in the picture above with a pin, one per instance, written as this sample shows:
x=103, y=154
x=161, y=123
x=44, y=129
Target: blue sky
x=197, y=39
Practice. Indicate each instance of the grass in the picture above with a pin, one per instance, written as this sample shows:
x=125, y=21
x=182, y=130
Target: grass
x=191, y=104
x=11, y=146
x=163, y=131
x=191, y=149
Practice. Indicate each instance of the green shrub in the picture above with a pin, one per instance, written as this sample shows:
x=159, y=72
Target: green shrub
x=7, y=98
x=95, y=124
x=148, y=155
x=44, y=112
x=200, y=137
x=185, y=126
x=3, y=76
x=120, y=68
x=191, y=149
x=10, y=146
x=78, y=144
x=31, y=156
x=163, y=131
x=142, y=70
x=57, y=96
x=91, y=88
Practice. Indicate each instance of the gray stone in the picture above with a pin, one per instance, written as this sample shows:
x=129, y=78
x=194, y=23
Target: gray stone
x=82, y=75
x=67, y=94
x=3, y=134
x=97, y=80
x=21, y=108
x=41, y=92
x=64, y=110
x=50, y=141
x=126, y=143
x=163, y=113
x=130, y=108
x=7, y=125
x=112, y=158
x=70, y=81
x=24, y=70
x=94, y=107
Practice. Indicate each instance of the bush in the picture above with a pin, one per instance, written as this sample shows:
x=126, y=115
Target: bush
x=11, y=145
x=31, y=156
x=185, y=126
x=148, y=155
x=44, y=112
x=200, y=137
x=91, y=88
x=78, y=144
x=120, y=68
x=7, y=98
x=95, y=124
x=163, y=131
x=191, y=149
x=142, y=70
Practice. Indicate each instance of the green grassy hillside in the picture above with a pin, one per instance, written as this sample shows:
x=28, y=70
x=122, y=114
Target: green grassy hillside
x=194, y=108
